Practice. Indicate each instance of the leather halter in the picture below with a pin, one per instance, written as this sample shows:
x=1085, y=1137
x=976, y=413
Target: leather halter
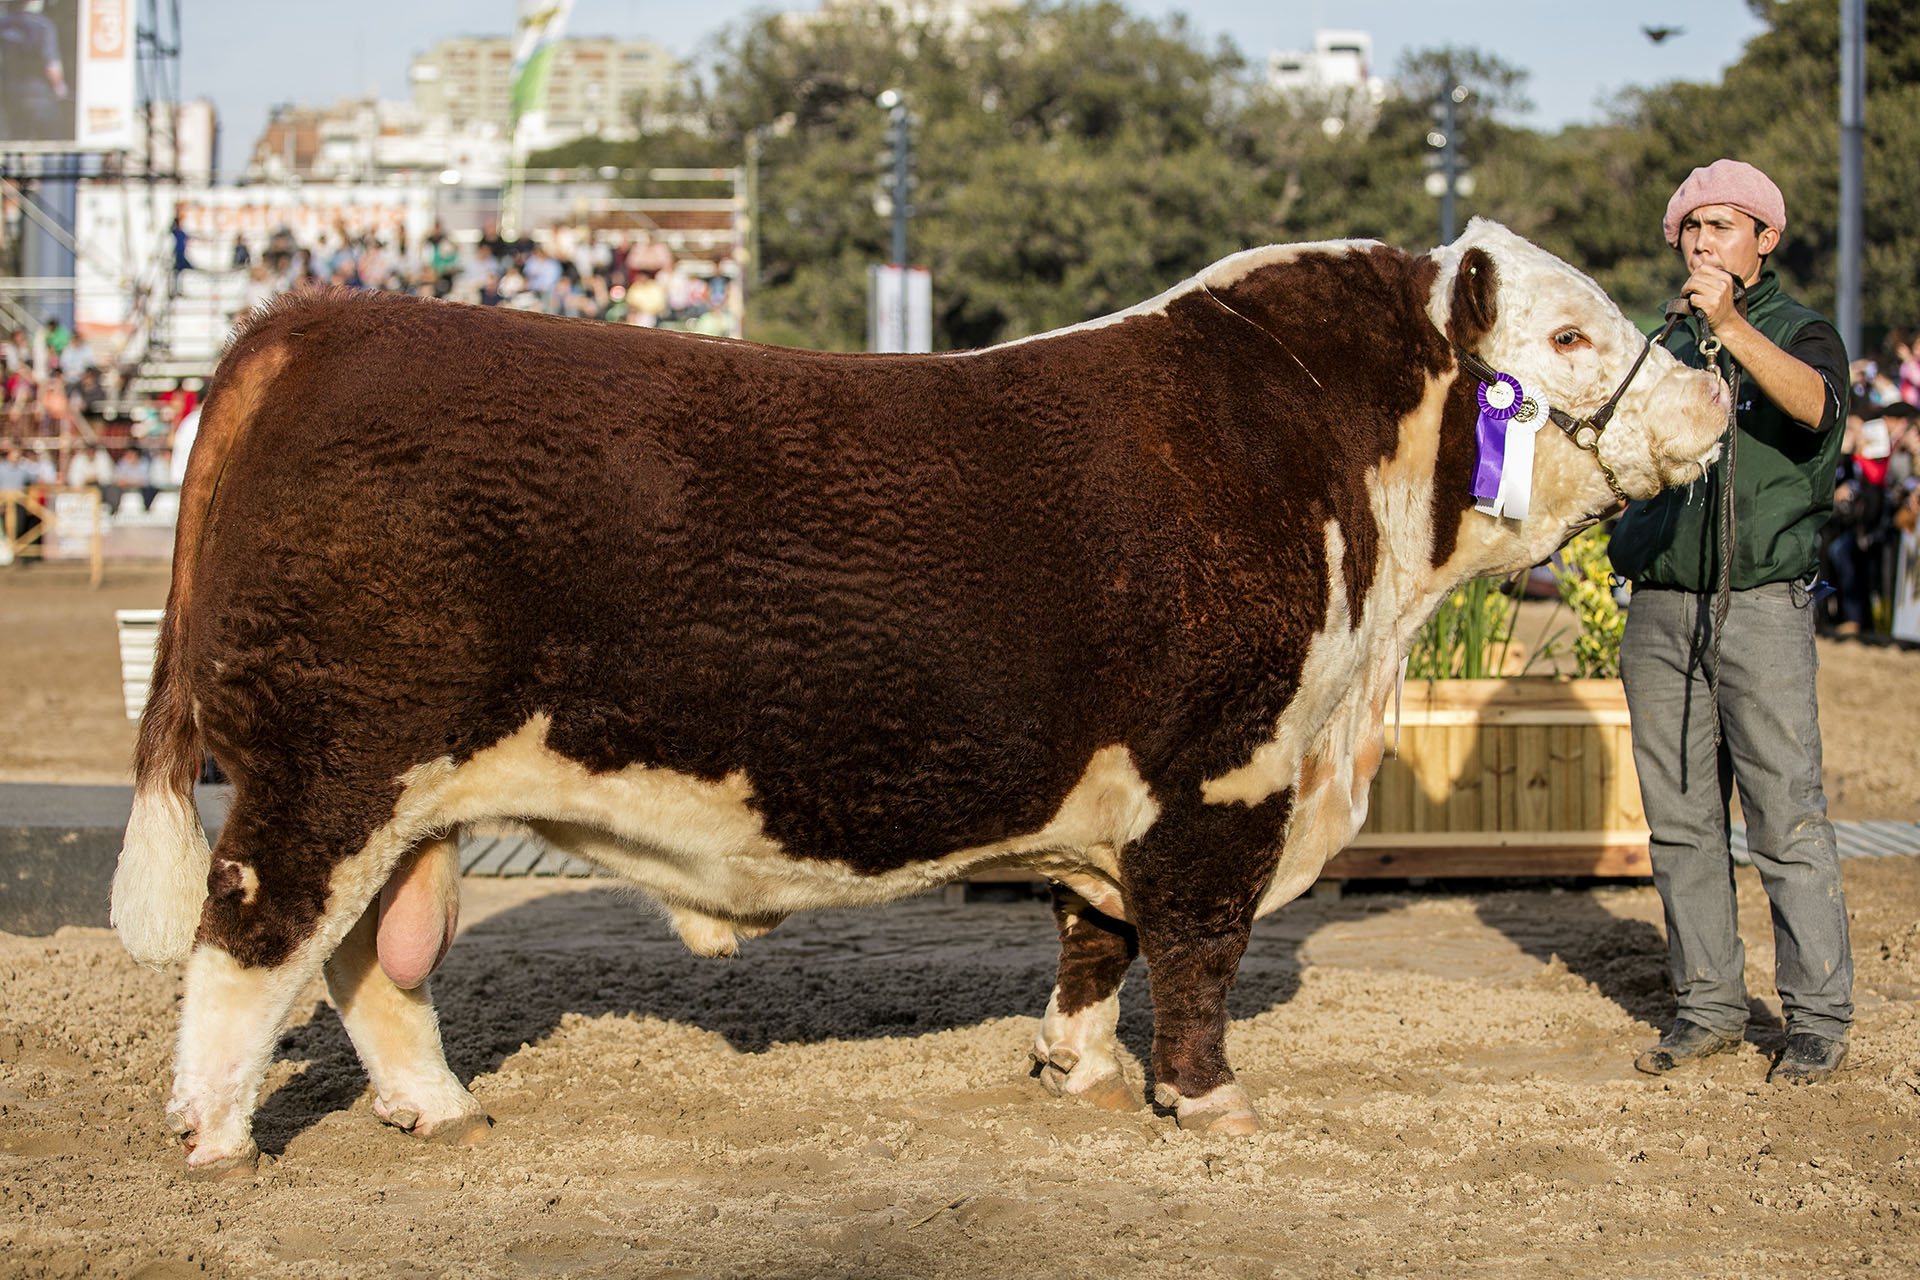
x=1584, y=432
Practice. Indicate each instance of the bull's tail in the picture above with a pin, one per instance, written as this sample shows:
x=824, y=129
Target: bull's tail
x=161, y=883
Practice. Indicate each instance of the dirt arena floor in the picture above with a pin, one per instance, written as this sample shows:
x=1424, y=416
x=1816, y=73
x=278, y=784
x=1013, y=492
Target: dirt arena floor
x=1446, y=1079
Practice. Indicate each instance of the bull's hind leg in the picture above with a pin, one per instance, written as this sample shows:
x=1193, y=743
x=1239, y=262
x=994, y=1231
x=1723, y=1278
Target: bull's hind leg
x=279, y=900
x=1192, y=885
x=378, y=980
x=231, y=1018
x=1076, y=1053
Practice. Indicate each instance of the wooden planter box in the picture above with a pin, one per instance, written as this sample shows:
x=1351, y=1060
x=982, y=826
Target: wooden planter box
x=1526, y=776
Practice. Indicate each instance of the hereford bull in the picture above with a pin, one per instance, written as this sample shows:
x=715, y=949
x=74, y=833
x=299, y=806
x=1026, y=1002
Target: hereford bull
x=763, y=630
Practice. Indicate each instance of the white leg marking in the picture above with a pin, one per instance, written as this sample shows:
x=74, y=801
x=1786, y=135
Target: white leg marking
x=230, y=1021
x=1078, y=1054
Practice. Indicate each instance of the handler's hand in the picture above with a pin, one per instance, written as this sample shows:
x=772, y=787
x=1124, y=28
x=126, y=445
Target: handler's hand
x=1710, y=290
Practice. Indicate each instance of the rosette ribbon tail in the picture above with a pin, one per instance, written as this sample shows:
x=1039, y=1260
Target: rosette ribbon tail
x=1490, y=434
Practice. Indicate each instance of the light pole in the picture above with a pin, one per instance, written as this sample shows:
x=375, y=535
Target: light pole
x=894, y=103
x=1447, y=180
x=1853, y=92
x=756, y=142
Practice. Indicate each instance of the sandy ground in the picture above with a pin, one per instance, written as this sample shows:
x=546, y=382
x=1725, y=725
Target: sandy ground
x=1445, y=1077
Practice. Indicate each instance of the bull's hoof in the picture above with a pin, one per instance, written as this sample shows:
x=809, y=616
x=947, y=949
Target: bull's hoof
x=461, y=1130
x=1060, y=1072
x=1227, y=1124
x=1226, y=1111
x=456, y=1131
x=1052, y=1068
x=402, y=1119
x=1109, y=1093
x=242, y=1164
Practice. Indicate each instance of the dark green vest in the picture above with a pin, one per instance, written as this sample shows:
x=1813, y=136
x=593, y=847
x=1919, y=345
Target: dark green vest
x=1782, y=480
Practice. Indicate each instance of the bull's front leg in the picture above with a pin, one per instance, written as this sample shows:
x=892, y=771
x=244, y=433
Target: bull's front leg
x=1076, y=1053
x=1192, y=884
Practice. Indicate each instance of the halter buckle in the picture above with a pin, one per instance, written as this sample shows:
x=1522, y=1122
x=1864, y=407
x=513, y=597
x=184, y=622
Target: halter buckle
x=1587, y=436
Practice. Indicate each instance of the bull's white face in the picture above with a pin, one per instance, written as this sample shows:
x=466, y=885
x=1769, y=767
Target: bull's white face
x=1555, y=329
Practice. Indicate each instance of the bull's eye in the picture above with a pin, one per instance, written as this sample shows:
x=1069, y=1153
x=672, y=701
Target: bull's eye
x=1569, y=338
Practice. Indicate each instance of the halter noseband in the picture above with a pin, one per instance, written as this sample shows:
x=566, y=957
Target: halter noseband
x=1584, y=432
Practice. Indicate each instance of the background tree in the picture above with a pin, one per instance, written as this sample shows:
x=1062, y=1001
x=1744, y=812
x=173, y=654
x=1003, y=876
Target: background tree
x=1778, y=108
x=1072, y=158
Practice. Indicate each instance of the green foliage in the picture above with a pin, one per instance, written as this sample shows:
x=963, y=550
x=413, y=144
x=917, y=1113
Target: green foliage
x=1583, y=573
x=1471, y=635
x=1067, y=162
x=1468, y=636
x=675, y=148
x=1071, y=158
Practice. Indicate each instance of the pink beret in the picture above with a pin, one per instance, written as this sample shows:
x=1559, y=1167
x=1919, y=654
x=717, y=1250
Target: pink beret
x=1728, y=182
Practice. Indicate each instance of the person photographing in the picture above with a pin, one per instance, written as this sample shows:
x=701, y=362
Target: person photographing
x=1718, y=657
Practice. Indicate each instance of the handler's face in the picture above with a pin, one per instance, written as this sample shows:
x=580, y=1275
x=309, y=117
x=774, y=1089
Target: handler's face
x=1719, y=235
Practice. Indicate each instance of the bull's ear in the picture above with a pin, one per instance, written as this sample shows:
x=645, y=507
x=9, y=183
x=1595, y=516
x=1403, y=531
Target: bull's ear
x=1470, y=316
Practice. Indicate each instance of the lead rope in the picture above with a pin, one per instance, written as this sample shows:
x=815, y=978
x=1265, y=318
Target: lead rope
x=1398, y=689
x=1723, y=585
x=1723, y=581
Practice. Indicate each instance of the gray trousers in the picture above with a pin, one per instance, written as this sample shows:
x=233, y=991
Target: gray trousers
x=1770, y=747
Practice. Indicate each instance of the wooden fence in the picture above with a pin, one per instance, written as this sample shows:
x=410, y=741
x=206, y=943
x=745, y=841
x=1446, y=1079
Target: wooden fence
x=31, y=518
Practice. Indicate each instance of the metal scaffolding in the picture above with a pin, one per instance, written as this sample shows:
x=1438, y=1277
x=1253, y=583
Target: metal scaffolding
x=40, y=181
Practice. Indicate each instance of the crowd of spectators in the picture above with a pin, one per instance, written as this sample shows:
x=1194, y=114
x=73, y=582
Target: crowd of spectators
x=625, y=279
x=1877, y=494
x=55, y=433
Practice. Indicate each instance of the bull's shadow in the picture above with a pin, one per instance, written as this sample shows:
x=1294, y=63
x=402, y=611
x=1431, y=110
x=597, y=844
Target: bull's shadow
x=1624, y=959
x=906, y=969
x=909, y=968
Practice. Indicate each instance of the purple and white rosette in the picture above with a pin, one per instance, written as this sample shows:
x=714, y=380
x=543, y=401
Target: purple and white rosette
x=1503, y=465
x=1499, y=401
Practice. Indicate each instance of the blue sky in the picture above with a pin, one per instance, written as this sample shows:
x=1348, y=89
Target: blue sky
x=246, y=56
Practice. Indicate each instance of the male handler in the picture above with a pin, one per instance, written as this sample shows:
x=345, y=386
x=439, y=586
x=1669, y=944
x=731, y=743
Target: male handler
x=1755, y=677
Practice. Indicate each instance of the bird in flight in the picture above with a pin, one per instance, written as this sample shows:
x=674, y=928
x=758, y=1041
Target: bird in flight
x=1659, y=34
